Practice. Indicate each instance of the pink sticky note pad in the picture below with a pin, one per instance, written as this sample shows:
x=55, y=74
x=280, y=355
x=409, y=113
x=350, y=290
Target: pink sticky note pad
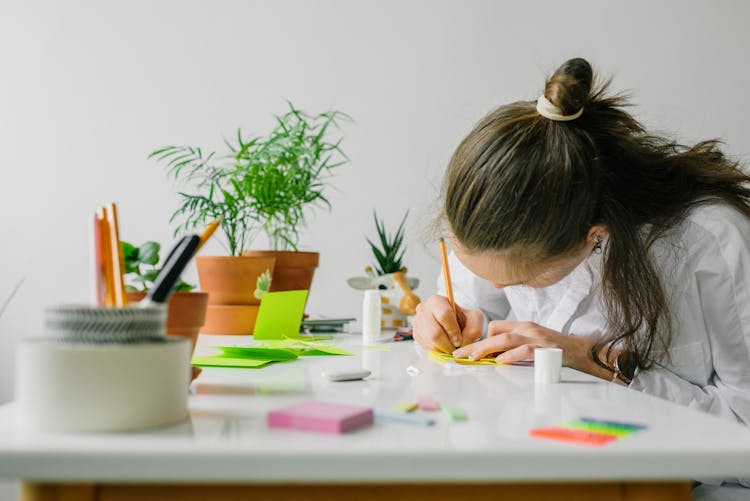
x=428, y=404
x=322, y=417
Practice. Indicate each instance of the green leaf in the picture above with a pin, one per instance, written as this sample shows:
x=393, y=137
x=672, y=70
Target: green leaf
x=151, y=275
x=129, y=251
x=148, y=253
x=181, y=286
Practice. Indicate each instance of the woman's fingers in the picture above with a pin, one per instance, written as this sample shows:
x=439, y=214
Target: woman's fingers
x=441, y=310
x=488, y=346
x=473, y=326
x=523, y=352
x=429, y=332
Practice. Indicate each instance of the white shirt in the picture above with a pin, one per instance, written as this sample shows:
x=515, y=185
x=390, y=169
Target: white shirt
x=705, y=268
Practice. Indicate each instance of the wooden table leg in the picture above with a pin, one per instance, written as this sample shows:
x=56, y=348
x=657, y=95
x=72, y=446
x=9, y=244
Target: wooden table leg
x=57, y=492
x=595, y=491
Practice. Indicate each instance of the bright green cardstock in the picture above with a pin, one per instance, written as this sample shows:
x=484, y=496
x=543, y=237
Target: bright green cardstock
x=259, y=353
x=280, y=315
x=220, y=361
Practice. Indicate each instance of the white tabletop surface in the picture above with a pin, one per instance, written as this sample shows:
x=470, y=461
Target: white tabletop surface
x=226, y=438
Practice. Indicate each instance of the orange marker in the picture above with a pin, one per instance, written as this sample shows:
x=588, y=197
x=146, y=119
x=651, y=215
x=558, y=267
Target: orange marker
x=447, y=275
x=210, y=229
x=109, y=280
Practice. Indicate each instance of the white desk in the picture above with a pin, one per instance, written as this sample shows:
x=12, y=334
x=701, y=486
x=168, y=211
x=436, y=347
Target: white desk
x=226, y=442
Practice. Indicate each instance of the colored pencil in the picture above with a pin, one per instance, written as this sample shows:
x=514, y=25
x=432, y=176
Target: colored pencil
x=118, y=263
x=210, y=229
x=98, y=269
x=447, y=275
x=106, y=250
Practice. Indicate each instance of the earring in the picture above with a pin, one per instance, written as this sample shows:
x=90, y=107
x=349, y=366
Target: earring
x=597, y=244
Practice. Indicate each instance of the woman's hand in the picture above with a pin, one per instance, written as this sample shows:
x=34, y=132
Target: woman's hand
x=437, y=328
x=515, y=341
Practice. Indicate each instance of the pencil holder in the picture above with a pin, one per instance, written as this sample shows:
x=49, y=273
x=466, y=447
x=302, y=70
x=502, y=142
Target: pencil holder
x=67, y=386
x=92, y=324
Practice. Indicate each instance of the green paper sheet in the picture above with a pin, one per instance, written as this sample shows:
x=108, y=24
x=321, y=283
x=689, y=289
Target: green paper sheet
x=381, y=347
x=259, y=353
x=280, y=315
x=324, y=349
x=221, y=361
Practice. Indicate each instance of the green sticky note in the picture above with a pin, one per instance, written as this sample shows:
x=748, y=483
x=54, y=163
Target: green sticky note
x=221, y=361
x=316, y=338
x=324, y=349
x=455, y=413
x=614, y=431
x=280, y=315
x=258, y=353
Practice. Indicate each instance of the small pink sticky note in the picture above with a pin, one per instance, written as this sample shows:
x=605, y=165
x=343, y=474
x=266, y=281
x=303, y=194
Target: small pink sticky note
x=428, y=404
x=322, y=417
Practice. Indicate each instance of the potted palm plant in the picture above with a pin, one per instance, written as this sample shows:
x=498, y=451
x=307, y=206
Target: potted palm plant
x=286, y=173
x=262, y=184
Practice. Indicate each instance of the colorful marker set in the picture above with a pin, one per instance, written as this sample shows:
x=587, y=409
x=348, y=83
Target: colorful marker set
x=587, y=431
x=108, y=287
x=403, y=411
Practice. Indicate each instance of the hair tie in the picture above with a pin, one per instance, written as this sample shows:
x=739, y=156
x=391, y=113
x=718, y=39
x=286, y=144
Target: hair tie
x=549, y=110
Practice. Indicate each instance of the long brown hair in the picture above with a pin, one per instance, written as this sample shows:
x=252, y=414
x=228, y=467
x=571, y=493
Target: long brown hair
x=529, y=186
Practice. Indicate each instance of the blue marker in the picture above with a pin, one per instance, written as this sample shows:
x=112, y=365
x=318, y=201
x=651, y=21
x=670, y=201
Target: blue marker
x=402, y=417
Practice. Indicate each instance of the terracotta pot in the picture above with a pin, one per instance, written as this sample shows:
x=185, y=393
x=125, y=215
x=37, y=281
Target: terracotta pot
x=293, y=271
x=186, y=313
x=230, y=319
x=232, y=279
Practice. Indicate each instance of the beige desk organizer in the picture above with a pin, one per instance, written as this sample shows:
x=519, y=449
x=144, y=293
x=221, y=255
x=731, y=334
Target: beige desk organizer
x=70, y=384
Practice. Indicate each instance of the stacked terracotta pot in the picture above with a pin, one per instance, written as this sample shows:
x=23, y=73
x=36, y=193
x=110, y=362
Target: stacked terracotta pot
x=234, y=286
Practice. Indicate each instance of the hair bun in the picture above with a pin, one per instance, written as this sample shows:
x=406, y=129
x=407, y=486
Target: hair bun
x=568, y=88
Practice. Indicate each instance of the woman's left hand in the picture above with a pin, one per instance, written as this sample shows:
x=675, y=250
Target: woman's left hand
x=515, y=341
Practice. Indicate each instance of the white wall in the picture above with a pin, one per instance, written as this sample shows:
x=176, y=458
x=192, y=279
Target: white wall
x=89, y=88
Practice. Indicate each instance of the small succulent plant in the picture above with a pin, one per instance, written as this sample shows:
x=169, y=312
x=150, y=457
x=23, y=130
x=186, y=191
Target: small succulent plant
x=391, y=251
x=262, y=285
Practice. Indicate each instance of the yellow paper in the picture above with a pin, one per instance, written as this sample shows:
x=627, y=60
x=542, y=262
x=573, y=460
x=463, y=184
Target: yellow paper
x=280, y=315
x=442, y=358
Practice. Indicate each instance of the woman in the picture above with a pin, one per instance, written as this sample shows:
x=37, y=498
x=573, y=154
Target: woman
x=628, y=251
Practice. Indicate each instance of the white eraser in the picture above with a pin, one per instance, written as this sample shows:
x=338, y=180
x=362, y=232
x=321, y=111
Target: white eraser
x=347, y=375
x=547, y=365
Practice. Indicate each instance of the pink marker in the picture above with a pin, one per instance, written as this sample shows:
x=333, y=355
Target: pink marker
x=428, y=404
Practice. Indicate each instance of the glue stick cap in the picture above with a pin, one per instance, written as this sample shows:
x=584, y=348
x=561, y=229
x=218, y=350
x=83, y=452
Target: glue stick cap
x=547, y=365
x=371, y=314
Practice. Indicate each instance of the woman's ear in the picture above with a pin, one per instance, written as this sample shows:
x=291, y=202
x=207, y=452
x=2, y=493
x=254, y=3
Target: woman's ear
x=597, y=230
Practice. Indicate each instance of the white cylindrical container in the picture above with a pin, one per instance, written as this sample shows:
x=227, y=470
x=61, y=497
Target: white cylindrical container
x=547, y=365
x=73, y=386
x=371, y=315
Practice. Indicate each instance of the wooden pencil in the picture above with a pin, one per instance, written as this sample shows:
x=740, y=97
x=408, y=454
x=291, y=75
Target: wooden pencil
x=118, y=262
x=109, y=280
x=447, y=275
x=210, y=229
